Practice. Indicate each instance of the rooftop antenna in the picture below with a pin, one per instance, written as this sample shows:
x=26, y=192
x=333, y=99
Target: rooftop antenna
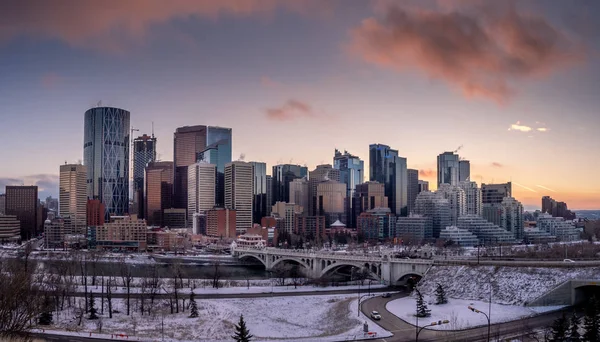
x=152, y=129
x=99, y=104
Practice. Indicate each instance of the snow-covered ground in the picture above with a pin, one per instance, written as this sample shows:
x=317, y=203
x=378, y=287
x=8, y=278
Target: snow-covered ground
x=307, y=318
x=456, y=311
x=511, y=285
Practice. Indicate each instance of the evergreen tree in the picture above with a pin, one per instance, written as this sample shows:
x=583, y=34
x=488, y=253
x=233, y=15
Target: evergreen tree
x=93, y=310
x=574, y=335
x=591, y=322
x=46, y=317
x=422, y=310
x=560, y=328
x=242, y=334
x=440, y=295
x=193, y=306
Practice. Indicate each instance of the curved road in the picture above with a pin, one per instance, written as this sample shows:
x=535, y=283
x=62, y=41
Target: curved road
x=404, y=332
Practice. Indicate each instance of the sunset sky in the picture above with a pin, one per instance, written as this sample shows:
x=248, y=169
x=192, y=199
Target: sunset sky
x=516, y=84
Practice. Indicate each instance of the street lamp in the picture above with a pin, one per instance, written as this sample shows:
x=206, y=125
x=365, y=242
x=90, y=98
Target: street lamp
x=429, y=325
x=486, y=316
x=359, y=299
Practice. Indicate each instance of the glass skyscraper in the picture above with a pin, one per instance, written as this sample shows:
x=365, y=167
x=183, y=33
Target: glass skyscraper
x=282, y=176
x=352, y=173
x=144, y=152
x=259, y=190
x=447, y=168
x=106, y=157
x=385, y=166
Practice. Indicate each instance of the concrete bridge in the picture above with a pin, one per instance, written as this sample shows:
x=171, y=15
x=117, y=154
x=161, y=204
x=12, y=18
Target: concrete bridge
x=384, y=268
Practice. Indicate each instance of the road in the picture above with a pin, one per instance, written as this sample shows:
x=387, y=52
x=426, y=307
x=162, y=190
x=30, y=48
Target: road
x=404, y=332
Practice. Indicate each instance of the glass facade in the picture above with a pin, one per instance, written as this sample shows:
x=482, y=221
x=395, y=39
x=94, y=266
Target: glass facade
x=282, y=176
x=387, y=167
x=447, y=168
x=144, y=152
x=259, y=190
x=352, y=173
x=106, y=157
x=158, y=190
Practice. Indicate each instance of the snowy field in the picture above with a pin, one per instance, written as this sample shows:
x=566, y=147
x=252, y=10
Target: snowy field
x=307, y=318
x=511, y=285
x=457, y=313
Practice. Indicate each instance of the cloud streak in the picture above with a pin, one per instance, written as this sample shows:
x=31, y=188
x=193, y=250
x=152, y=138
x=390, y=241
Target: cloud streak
x=427, y=173
x=524, y=187
x=290, y=111
x=545, y=188
x=498, y=165
x=482, y=53
x=112, y=24
x=523, y=128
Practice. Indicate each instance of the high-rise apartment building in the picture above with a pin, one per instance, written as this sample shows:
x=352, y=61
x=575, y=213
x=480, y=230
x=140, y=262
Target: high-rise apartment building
x=282, y=176
x=423, y=186
x=22, y=202
x=388, y=168
x=144, y=152
x=196, y=143
x=474, y=205
x=352, y=170
x=201, y=188
x=457, y=199
x=448, y=168
x=495, y=193
x=106, y=157
x=331, y=201
x=269, y=182
x=512, y=217
x=158, y=191
x=556, y=209
x=259, y=191
x=437, y=207
x=10, y=229
x=412, y=187
x=414, y=228
x=321, y=173
x=370, y=195
x=72, y=194
x=95, y=213
x=221, y=223
x=299, y=193
x=238, y=193
x=464, y=171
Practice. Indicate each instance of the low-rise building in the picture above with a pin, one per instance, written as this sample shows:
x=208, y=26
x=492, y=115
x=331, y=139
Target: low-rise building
x=310, y=227
x=54, y=233
x=461, y=237
x=557, y=226
x=10, y=228
x=123, y=233
x=377, y=224
x=414, y=228
x=269, y=234
x=537, y=236
x=487, y=232
x=221, y=223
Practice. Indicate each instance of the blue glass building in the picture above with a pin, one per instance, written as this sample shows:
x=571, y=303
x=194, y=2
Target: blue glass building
x=106, y=156
x=387, y=167
x=352, y=173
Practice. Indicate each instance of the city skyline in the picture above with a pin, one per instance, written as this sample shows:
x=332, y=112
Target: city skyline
x=300, y=75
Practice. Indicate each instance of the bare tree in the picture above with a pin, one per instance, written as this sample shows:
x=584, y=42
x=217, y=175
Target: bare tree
x=109, y=295
x=153, y=282
x=216, y=274
x=127, y=278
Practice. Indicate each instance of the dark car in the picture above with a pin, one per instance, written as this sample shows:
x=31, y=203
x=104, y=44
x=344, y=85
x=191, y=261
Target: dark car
x=386, y=295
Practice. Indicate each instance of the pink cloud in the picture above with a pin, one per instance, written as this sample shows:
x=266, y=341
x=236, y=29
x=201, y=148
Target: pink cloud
x=268, y=82
x=51, y=79
x=427, y=173
x=289, y=111
x=112, y=24
x=481, y=53
x=495, y=164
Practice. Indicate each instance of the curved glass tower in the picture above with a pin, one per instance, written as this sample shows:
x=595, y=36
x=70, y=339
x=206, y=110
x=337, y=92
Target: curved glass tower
x=106, y=156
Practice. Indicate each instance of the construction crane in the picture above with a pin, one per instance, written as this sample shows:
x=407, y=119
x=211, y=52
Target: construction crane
x=131, y=161
x=458, y=149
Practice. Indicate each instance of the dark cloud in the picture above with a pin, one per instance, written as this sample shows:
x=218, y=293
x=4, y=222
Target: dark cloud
x=289, y=111
x=480, y=52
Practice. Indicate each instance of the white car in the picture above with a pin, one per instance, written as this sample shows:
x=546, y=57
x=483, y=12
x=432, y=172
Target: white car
x=375, y=315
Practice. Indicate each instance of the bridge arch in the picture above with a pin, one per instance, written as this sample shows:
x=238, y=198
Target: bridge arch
x=370, y=268
x=254, y=256
x=297, y=260
x=409, y=278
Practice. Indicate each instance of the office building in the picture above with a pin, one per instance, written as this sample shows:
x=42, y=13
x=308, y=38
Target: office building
x=72, y=194
x=287, y=211
x=270, y=194
x=414, y=228
x=457, y=199
x=282, y=176
x=106, y=157
x=95, y=212
x=459, y=237
x=388, y=168
x=10, y=229
x=199, y=223
x=487, y=232
x=423, y=186
x=158, y=191
x=473, y=201
x=2, y=204
x=312, y=228
x=299, y=194
x=537, y=236
x=200, y=143
x=556, y=209
x=175, y=218
x=437, y=207
x=201, y=188
x=558, y=227
x=321, y=173
x=22, y=202
x=512, y=217
x=412, y=186
x=144, y=152
x=447, y=168
x=221, y=223
x=492, y=212
x=370, y=195
x=352, y=170
x=124, y=233
x=331, y=201
x=259, y=191
x=54, y=233
x=377, y=224
x=51, y=203
x=464, y=171
x=495, y=193
x=238, y=193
